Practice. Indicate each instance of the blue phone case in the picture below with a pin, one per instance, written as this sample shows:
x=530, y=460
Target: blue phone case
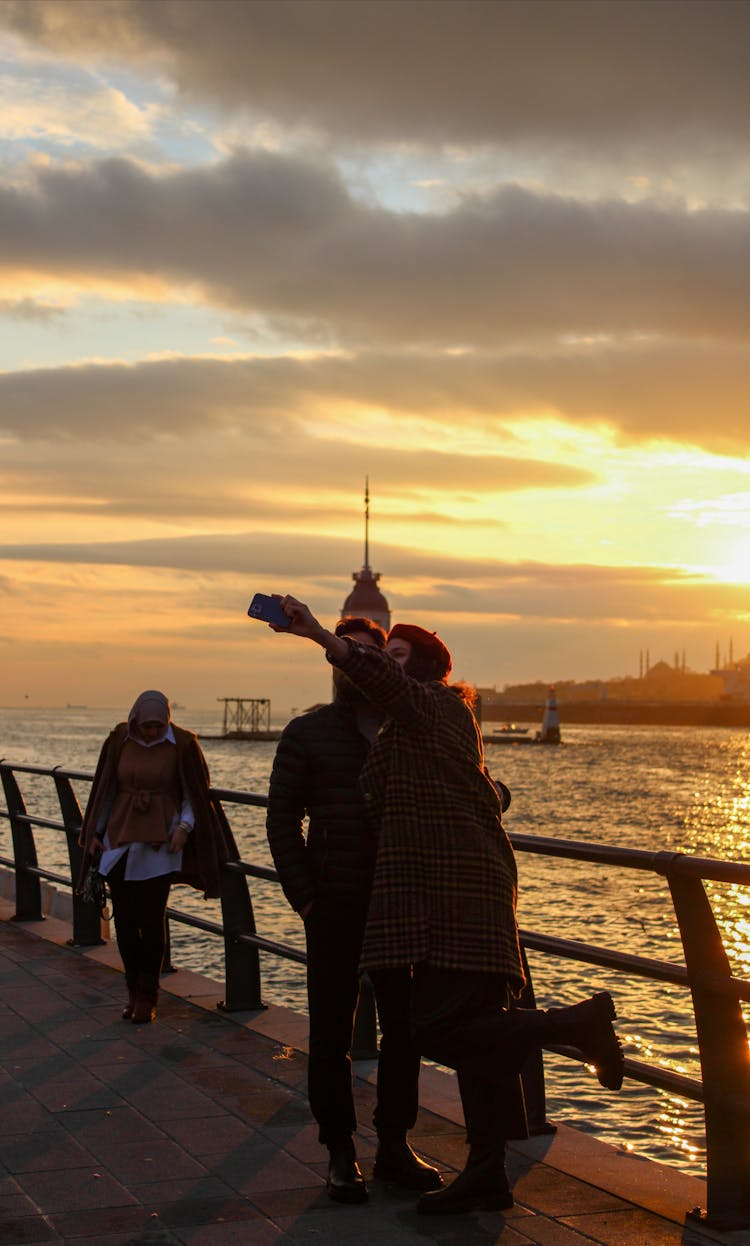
x=268, y=610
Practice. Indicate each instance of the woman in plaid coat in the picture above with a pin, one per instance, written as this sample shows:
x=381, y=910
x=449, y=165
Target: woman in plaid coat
x=444, y=899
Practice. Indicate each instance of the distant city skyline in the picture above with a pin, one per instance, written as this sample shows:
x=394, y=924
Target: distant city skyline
x=493, y=257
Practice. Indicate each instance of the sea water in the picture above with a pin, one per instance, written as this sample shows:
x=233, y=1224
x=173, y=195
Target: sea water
x=677, y=789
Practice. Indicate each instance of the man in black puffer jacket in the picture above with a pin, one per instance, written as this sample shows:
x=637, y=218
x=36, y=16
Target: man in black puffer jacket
x=326, y=878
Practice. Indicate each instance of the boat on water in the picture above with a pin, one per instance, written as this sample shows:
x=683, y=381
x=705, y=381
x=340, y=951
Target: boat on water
x=511, y=733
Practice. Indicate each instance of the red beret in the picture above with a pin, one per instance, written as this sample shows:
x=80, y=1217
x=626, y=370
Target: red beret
x=428, y=643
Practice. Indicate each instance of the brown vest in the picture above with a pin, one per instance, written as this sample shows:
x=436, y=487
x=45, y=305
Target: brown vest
x=148, y=794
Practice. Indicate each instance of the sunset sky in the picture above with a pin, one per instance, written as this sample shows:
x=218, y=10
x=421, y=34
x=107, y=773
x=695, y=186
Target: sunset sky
x=495, y=256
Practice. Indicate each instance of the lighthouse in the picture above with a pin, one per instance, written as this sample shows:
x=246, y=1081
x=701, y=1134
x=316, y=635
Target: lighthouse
x=366, y=600
x=550, y=732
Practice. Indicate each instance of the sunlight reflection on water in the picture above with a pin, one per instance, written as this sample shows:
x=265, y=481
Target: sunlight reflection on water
x=672, y=789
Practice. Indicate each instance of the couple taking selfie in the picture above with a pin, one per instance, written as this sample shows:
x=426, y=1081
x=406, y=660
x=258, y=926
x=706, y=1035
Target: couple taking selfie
x=404, y=871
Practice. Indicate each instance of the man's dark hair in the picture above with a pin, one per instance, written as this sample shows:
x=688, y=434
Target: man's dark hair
x=345, y=627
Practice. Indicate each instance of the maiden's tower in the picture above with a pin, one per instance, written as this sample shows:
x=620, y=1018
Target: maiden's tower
x=366, y=600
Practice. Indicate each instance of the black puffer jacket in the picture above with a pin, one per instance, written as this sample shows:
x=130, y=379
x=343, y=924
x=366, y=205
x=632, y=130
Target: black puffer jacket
x=315, y=772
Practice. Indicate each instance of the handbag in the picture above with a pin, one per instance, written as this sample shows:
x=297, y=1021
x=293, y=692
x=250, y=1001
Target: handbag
x=94, y=890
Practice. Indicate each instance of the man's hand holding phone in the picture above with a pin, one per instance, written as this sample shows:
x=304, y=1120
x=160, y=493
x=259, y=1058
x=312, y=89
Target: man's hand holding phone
x=269, y=610
x=287, y=614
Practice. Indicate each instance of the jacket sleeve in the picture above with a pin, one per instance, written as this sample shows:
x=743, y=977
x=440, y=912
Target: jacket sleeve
x=99, y=791
x=285, y=819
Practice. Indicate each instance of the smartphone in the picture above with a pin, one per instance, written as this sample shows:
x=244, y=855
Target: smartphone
x=268, y=610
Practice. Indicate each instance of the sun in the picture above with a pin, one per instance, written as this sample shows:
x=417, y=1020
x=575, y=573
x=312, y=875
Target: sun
x=733, y=566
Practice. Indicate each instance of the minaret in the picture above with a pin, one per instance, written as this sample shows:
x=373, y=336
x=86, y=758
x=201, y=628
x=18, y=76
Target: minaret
x=366, y=600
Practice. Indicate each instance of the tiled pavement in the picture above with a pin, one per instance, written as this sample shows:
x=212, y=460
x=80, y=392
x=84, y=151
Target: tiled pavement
x=196, y=1130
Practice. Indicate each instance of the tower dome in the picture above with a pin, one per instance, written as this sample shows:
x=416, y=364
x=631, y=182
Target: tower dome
x=366, y=600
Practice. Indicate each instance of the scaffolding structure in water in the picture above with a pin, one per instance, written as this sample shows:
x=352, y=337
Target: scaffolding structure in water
x=247, y=718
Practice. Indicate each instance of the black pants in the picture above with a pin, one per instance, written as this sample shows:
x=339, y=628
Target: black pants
x=334, y=940
x=463, y=1020
x=139, y=912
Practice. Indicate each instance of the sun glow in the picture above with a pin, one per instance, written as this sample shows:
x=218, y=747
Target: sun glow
x=734, y=568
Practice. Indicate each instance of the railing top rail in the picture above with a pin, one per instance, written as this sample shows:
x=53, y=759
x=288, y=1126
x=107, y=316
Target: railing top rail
x=22, y=768
x=239, y=798
x=665, y=863
x=634, y=858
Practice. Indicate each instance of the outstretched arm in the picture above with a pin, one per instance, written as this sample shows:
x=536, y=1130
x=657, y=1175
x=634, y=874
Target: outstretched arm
x=378, y=677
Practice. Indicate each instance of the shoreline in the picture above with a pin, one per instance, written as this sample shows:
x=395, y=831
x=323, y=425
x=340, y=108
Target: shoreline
x=625, y=713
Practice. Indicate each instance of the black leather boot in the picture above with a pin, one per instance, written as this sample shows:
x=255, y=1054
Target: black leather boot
x=395, y=1161
x=588, y=1026
x=482, y=1186
x=345, y=1182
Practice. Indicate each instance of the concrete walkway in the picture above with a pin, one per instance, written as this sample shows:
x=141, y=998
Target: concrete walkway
x=196, y=1130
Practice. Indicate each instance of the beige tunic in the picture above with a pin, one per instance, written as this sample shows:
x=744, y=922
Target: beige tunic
x=148, y=795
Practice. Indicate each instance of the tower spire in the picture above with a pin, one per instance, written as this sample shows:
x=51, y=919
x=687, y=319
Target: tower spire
x=366, y=599
x=367, y=524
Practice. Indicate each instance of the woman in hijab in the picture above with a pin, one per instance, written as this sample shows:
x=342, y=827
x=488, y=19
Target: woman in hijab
x=151, y=819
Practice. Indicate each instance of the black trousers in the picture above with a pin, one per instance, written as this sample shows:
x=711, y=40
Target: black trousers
x=139, y=911
x=463, y=1020
x=334, y=940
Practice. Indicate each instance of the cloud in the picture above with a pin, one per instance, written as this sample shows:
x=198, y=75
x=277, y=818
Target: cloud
x=416, y=581
x=282, y=238
x=289, y=479
x=99, y=117
x=640, y=390
x=30, y=309
x=440, y=71
x=300, y=555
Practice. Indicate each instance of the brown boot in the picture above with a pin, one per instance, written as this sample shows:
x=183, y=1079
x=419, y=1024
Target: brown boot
x=144, y=1009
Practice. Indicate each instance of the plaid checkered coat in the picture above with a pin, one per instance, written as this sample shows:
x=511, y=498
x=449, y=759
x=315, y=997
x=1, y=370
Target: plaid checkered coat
x=445, y=880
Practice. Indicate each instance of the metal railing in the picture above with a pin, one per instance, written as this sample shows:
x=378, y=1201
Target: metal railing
x=724, y=1088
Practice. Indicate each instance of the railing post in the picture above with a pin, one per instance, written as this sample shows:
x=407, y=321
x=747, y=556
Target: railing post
x=87, y=922
x=28, y=886
x=532, y=1072
x=725, y=1062
x=241, y=960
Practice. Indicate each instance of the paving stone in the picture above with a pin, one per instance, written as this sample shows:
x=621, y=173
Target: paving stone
x=629, y=1227
x=258, y=1165
x=556, y=1194
x=215, y=1138
x=70, y=1190
x=40, y=1152
x=19, y=1232
x=87, y=1223
x=143, y=1161
x=99, y=1130
x=544, y=1232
